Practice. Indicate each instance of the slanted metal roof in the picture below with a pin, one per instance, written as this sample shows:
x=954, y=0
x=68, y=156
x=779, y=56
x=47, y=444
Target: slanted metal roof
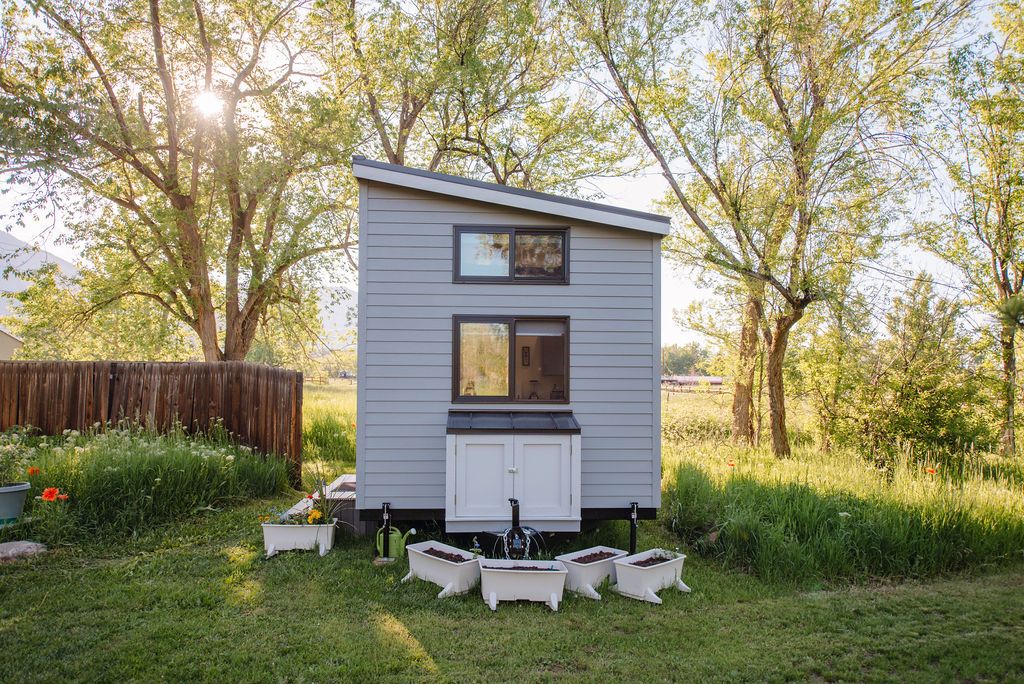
x=462, y=422
x=493, y=193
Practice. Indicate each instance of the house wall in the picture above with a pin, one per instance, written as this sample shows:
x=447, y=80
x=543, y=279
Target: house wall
x=406, y=302
x=8, y=346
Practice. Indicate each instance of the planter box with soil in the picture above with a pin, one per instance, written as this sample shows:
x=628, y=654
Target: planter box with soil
x=279, y=537
x=454, y=570
x=643, y=575
x=522, y=580
x=589, y=568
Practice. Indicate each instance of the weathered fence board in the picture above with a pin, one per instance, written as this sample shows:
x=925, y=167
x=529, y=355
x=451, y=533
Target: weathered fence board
x=260, y=406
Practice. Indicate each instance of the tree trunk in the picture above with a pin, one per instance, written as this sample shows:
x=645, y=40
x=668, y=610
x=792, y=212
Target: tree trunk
x=777, y=341
x=1007, y=340
x=206, y=329
x=746, y=365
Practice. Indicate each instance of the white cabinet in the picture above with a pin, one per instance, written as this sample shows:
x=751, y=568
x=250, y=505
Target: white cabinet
x=543, y=476
x=484, y=473
x=486, y=470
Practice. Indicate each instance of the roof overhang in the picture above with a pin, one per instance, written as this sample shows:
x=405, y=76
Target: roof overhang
x=536, y=422
x=503, y=195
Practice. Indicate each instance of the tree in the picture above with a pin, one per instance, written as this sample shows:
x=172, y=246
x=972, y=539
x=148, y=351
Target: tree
x=981, y=138
x=794, y=136
x=476, y=88
x=207, y=137
x=129, y=329
x=923, y=385
x=683, y=359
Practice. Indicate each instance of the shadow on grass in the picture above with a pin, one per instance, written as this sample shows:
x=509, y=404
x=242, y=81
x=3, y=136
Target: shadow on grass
x=793, y=533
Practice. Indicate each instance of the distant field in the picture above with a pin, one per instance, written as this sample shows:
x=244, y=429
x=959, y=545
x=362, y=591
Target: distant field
x=329, y=428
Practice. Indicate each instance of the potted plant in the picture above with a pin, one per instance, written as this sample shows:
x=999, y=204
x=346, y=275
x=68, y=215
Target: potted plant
x=643, y=575
x=305, y=529
x=13, y=490
x=454, y=570
x=589, y=568
x=522, y=580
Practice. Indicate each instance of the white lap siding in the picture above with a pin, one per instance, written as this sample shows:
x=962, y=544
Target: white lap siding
x=406, y=303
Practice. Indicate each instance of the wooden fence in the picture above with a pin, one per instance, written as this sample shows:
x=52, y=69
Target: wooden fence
x=260, y=406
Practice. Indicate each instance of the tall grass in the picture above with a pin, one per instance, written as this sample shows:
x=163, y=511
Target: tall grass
x=824, y=516
x=329, y=429
x=125, y=479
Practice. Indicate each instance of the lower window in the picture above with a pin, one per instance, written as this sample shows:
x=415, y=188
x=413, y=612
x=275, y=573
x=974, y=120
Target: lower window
x=523, y=359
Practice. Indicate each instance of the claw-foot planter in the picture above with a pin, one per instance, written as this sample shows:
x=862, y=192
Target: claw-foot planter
x=644, y=582
x=522, y=580
x=280, y=537
x=584, y=576
x=453, y=577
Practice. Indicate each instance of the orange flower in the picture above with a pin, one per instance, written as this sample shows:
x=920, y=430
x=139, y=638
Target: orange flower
x=731, y=463
x=33, y=471
x=930, y=471
x=62, y=497
x=50, y=494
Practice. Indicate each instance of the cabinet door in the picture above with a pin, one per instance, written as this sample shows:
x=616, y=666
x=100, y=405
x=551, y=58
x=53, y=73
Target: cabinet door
x=483, y=476
x=543, y=484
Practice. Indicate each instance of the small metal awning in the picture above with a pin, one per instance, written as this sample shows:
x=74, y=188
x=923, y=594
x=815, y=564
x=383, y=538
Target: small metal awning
x=563, y=422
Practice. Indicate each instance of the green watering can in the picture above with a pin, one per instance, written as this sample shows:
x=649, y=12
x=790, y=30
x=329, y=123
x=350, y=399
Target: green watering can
x=396, y=542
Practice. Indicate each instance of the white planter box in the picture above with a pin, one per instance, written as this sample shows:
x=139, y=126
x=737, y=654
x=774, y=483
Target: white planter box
x=499, y=582
x=453, y=578
x=584, y=577
x=277, y=538
x=645, y=583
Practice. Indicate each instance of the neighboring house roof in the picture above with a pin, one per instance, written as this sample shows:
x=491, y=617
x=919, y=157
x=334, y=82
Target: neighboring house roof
x=7, y=334
x=493, y=193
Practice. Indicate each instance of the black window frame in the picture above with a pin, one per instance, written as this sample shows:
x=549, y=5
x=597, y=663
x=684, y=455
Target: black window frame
x=458, y=319
x=511, y=231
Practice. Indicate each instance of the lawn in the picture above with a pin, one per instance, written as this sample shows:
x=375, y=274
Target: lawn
x=194, y=599
x=197, y=601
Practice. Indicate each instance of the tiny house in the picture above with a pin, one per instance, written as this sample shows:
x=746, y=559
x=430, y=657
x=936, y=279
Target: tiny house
x=509, y=347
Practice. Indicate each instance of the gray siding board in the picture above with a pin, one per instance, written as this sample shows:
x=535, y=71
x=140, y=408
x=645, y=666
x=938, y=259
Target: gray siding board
x=392, y=371
x=505, y=302
x=487, y=291
x=407, y=300
x=579, y=325
x=405, y=312
x=590, y=338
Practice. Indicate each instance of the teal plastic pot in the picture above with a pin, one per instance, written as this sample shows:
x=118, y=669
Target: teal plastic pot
x=12, y=501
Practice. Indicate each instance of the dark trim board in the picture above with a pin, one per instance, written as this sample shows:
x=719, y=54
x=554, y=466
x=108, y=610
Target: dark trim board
x=438, y=514
x=403, y=514
x=618, y=513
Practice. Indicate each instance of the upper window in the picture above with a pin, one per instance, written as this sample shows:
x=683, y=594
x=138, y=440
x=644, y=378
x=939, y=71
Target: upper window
x=501, y=359
x=521, y=255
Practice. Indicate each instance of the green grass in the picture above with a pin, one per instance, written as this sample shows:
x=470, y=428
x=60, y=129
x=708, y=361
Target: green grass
x=829, y=516
x=196, y=601
x=123, y=480
x=328, y=429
